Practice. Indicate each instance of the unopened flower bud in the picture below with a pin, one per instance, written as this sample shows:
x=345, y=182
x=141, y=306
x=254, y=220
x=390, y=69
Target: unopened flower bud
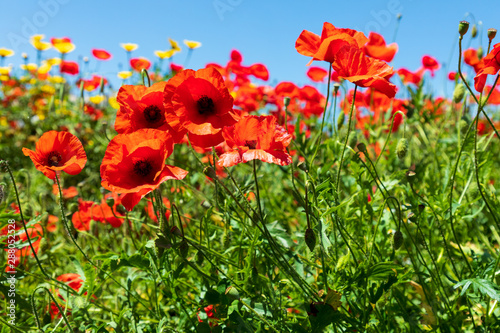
x=402, y=148
x=480, y=52
x=353, y=139
x=210, y=172
x=199, y=258
x=121, y=209
x=110, y=202
x=176, y=231
x=302, y=166
x=340, y=120
x=492, y=33
x=463, y=26
x=474, y=31
x=310, y=239
x=361, y=147
x=458, y=93
x=286, y=101
x=464, y=124
x=397, y=240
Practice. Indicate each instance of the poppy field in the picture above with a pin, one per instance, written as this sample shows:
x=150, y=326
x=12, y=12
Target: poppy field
x=209, y=200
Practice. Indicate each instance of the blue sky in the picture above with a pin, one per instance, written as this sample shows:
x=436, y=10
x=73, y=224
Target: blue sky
x=263, y=31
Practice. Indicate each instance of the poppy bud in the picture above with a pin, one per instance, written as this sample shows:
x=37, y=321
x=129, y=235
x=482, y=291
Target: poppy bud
x=286, y=101
x=353, y=139
x=110, y=202
x=397, y=240
x=176, y=231
x=232, y=293
x=336, y=88
x=458, y=93
x=480, y=52
x=474, y=31
x=492, y=33
x=463, y=26
x=340, y=120
x=183, y=249
x=2, y=193
x=302, y=166
x=210, y=172
x=310, y=239
x=464, y=124
x=199, y=258
x=121, y=209
x=361, y=147
x=402, y=148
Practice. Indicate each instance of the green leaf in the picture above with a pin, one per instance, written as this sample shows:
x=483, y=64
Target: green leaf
x=482, y=285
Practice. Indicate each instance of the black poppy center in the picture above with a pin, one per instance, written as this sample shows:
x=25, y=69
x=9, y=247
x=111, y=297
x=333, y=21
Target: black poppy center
x=205, y=105
x=54, y=158
x=152, y=114
x=143, y=168
x=251, y=144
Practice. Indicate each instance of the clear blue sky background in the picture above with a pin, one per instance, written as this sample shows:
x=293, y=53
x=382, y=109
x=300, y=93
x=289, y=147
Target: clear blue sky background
x=263, y=31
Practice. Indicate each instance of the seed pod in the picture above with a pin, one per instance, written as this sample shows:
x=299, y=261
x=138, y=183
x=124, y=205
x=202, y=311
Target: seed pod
x=397, y=240
x=310, y=238
x=463, y=26
x=458, y=93
x=402, y=148
x=492, y=33
x=286, y=101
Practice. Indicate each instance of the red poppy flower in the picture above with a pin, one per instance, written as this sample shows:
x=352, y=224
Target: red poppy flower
x=236, y=56
x=331, y=40
x=287, y=89
x=376, y=48
x=82, y=217
x=471, y=59
x=55, y=40
x=202, y=103
x=317, y=74
x=351, y=64
x=101, y=54
x=411, y=77
x=256, y=137
x=142, y=107
x=69, y=67
x=491, y=67
x=68, y=193
x=73, y=280
x=452, y=76
x=58, y=151
x=430, y=64
x=259, y=71
x=134, y=164
x=176, y=68
x=139, y=64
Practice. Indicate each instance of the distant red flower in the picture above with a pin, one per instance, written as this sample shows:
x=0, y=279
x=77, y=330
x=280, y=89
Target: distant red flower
x=376, y=48
x=176, y=68
x=151, y=212
x=317, y=74
x=82, y=217
x=236, y=56
x=452, y=76
x=142, y=107
x=471, y=58
x=202, y=103
x=58, y=151
x=101, y=54
x=256, y=137
x=410, y=77
x=259, y=71
x=351, y=64
x=69, y=67
x=139, y=64
x=71, y=279
x=494, y=97
x=134, y=164
x=491, y=67
x=93, y=83
x=332, y=39
x=68, y=193
x=430, y=64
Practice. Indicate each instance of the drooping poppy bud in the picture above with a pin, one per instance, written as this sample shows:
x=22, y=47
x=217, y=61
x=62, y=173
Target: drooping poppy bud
x=402, y=148
x=458, y=93
x=474, y=31
x=397, y=240
x=310, y=239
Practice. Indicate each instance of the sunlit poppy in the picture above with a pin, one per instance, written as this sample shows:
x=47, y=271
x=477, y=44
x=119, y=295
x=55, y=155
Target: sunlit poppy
x=408, y=76
x=491, y=67
x=351, y=64
x=259, y=71
x=256, y=137
x=58, y=151
x=376, y=48
x=142, y=107
x=134, y=164
x=174, y=45
x=139, y=64
x=332, y=39
x=69, y=67
x=39, y=44
x=129, y=47
x=6, y=52
x=202, y=103
x=191, y=44
x=164, y=54
x=317, y=74
x=101, y=54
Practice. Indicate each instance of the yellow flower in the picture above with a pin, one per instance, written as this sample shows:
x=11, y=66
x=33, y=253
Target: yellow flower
x=174, y=45
x=129, y=47
x=4, y=78
x=38, y=44
x=5, y=70
x=96, y=99
x=47, y=88
x=54, y=61
x=63, y=46
x=31, y=67
x=44, y=68
x=164, y=54
x=192, y=44
x=124, y=74
x=6, y=52
x=113, y=103
x=56, y=79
